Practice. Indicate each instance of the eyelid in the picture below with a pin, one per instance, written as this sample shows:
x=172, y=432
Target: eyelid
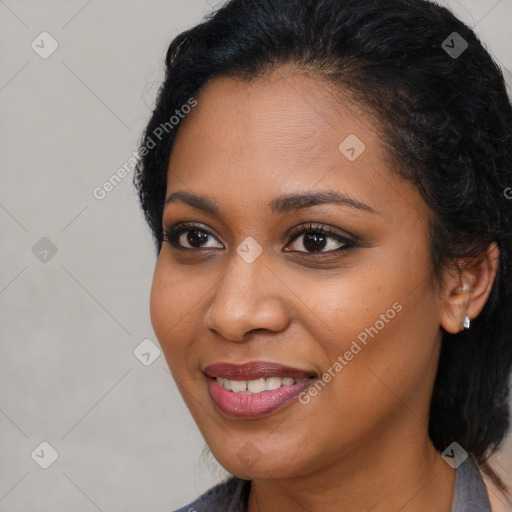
x=178, y=228
x=348, y=241
x=320, y=227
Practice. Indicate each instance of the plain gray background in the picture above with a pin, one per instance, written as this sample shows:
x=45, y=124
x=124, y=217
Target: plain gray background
x=72, y=320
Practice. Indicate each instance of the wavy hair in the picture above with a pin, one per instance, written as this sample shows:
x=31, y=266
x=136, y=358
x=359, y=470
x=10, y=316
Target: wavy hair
x=446, y=123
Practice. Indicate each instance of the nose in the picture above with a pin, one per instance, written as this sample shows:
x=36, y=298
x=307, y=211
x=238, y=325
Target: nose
x=249, y=297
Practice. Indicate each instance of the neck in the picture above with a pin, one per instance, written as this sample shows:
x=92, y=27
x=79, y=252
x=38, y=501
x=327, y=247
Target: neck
x=407, y=474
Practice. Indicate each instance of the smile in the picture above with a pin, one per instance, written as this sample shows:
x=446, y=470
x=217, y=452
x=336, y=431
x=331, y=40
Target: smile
x=254, y=389
x=256, y=385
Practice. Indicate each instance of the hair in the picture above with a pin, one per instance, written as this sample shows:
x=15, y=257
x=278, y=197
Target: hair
x=446, y=124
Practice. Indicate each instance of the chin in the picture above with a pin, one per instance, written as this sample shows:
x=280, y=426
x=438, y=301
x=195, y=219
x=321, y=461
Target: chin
x=252, y=463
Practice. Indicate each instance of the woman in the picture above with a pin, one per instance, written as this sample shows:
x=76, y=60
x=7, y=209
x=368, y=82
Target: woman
x=326, y=183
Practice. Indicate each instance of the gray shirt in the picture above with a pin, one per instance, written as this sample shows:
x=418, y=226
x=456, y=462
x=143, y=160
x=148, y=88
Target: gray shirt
x=470, y=494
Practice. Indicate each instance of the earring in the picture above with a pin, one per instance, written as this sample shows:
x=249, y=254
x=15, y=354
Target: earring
x=466, y=321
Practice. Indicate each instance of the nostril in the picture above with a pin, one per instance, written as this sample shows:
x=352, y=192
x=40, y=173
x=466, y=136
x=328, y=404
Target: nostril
x=255, y=330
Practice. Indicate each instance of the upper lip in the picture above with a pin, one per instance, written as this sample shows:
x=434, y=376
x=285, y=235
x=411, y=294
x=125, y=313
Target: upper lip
x=255, y=370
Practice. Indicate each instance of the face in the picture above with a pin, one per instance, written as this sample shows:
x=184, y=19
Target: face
x=292, y=242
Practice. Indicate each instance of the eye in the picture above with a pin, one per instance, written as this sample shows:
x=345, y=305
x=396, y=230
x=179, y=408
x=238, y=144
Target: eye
x=189, y=236
x=316, y=238
x=319, y=239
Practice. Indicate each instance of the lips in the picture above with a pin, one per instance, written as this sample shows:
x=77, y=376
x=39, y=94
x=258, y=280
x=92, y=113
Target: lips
x=255, y=370
x=252, y=403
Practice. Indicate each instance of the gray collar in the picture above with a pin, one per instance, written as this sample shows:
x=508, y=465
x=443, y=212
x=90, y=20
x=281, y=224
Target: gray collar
x=470, y=494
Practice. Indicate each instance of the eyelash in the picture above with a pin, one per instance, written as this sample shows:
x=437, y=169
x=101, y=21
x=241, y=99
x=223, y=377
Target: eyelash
x=173, y=232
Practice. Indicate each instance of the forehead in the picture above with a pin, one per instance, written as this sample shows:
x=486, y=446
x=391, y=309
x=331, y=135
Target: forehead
x=282, y=117
x=283, y=133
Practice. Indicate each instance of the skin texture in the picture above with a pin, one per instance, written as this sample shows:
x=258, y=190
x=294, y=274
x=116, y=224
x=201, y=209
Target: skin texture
x=361, y=443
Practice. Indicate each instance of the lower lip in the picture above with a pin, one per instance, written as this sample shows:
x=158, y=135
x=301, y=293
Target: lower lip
x=253, y=405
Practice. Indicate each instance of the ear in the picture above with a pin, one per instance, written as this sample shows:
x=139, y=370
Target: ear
x=467, y=289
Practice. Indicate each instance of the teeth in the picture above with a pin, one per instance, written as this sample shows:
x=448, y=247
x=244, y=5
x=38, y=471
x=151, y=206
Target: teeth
x=224, y=383
x=238, y=385
x=256, y=385
x=273, y=383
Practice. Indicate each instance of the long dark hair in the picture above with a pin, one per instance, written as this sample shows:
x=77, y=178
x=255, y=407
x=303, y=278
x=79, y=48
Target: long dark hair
x=446, y=120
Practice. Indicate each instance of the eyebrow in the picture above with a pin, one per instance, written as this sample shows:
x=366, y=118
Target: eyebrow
x=280, y=205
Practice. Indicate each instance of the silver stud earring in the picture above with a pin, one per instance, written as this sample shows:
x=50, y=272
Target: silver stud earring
x=466, y=322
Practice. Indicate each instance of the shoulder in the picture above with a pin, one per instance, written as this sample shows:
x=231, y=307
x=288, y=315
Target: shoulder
x=228, y=496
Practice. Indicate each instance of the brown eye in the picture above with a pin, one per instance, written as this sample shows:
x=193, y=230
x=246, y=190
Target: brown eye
x=190, y=236
x=318, y=239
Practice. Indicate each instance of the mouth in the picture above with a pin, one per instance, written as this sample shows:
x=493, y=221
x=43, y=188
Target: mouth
x=256, y=388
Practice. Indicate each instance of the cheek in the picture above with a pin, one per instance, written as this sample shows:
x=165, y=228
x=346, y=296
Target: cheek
x=164, y=313
x=161, y=309
x=175, y=317
x=383, y=319
x=168, y=307
x=344, y=309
